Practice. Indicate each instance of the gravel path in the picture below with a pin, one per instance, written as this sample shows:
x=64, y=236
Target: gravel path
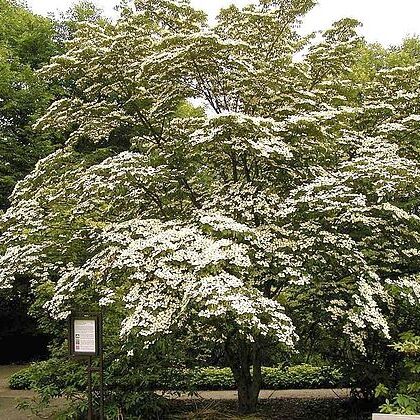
x=307, y=394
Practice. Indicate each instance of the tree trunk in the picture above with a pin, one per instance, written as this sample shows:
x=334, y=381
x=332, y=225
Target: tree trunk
x=248, y=397
x=241, y=358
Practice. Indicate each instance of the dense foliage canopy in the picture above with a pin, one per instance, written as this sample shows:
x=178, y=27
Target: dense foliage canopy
x=26, y=43
x=287, y=207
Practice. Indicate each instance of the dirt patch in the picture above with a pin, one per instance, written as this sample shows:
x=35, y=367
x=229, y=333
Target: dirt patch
x=273, y=409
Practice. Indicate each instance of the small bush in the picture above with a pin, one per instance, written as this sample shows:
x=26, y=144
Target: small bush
x=301, y=377
x=404, y=398
x=53, y=375
x=21, y=379
x=212, y=379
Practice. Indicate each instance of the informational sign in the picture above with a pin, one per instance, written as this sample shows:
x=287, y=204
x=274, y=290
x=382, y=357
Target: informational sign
x=84, y=336
x=85, y=341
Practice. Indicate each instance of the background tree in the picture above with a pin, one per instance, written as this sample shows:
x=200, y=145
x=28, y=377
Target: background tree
x=27, y=42
x=82, y=11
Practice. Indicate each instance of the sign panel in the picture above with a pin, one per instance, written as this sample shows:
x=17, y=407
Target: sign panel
x=84, y=336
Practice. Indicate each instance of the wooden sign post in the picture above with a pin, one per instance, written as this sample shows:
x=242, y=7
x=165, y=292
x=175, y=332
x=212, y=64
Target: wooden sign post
x=85, y=342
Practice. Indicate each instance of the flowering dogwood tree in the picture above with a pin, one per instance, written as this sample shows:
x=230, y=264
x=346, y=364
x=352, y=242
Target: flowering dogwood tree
x=212, y=224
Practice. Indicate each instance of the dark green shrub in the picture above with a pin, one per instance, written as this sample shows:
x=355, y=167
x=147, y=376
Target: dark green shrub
x=212, y=378
x=404, y=397
x=54, y=375
x=301, y=376
x=171, y=379
x=129, y=394
x=21, y=379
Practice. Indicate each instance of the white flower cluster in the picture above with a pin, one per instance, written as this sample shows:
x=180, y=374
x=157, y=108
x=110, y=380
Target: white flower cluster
x=173, y=282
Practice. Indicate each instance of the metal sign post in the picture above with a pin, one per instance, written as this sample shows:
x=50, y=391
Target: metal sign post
x=85, y=341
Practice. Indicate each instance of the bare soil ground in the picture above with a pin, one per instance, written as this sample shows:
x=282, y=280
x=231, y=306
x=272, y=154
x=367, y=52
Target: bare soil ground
x=296, y=408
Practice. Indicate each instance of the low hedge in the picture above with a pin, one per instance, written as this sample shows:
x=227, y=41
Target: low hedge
x=212, y=378
x=294, y=377
x=302, y=377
